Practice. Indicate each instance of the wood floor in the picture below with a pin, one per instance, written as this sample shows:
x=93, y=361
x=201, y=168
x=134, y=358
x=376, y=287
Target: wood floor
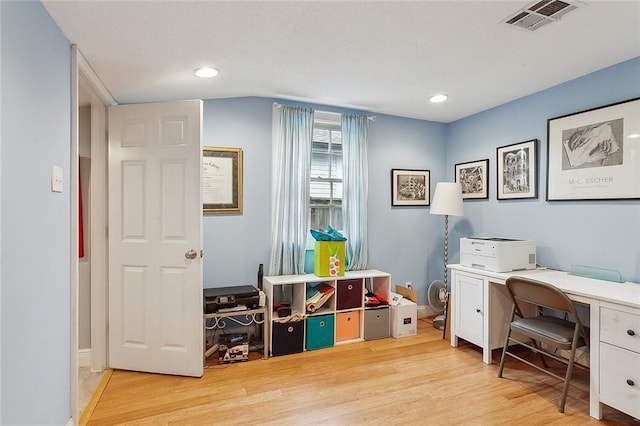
x=417, y=380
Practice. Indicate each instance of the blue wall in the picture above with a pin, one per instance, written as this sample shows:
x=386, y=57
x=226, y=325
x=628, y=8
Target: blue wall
x=35, y=245
x=595, y=233
x=401, y=240
x=408, y=242
x=235, y=244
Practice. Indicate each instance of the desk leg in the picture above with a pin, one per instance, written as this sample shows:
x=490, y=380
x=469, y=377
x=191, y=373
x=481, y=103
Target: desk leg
x=451, y=312
x=595, y=407
x=453, y=339
x=487, y=331
x=204, y=341
x=486, y=355
x=265, y=334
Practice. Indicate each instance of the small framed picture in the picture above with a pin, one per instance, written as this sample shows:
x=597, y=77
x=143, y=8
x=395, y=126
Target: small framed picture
x=517, y=170
x=474, y=179
x=595, y=154
x=409, y=187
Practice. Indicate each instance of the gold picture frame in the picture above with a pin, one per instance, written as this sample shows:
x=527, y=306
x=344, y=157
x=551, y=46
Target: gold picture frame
x=221, y=180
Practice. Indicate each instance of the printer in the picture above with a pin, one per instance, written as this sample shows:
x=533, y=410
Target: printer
x=497, y=254
x=230, y=297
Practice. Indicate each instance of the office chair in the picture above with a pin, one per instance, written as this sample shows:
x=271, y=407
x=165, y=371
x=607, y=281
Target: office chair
x=557, y=333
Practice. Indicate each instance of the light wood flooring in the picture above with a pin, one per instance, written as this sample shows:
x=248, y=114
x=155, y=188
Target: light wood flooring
x=88, y=382
x=417, y=380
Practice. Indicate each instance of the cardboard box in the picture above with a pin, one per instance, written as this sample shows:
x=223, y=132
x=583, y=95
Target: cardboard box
x=407, y=293
x=329, y=259
x=404, y=317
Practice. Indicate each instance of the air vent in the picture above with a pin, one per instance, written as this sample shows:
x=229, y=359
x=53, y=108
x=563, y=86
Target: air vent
x=540, y=13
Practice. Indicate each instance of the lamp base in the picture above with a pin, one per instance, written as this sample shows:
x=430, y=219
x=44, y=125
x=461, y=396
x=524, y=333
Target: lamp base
x=438, y=322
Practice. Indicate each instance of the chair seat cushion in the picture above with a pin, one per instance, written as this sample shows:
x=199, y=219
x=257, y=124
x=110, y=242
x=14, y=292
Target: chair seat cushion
x=554, y=330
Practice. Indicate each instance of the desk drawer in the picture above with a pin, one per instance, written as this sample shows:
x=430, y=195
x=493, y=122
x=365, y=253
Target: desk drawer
x=620, y=328
x=620, y=379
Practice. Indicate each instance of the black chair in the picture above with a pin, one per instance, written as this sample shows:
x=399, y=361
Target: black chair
x=565, y=333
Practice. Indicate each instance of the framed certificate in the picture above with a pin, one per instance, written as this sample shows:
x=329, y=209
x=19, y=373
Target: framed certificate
x=221, y=180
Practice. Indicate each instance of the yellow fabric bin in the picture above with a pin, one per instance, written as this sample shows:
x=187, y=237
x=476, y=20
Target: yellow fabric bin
x=329, y=259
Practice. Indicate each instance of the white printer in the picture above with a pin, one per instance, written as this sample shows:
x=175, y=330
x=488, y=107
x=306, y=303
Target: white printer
x=497, y=254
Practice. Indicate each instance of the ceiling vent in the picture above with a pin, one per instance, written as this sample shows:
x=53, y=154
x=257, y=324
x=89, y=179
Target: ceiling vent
x=540, y=13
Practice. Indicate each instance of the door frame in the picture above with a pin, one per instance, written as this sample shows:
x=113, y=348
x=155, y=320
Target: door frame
x=98, y=240
x=100, y=100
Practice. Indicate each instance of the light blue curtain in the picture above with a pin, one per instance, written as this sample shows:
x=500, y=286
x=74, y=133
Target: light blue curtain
x=355, y=189
x=291, y=164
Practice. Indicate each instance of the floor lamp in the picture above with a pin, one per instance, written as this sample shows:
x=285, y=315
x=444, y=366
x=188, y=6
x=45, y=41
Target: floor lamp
x=447, y=201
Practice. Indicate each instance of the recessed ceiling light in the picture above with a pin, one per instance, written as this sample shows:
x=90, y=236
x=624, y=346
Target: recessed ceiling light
x=206, y=72
x=438, y=98
x=634, y=136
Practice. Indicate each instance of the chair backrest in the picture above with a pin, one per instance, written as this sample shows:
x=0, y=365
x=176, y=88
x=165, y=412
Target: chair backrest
x=540, y=294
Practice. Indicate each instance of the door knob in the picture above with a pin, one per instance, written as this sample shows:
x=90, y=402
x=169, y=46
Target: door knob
x=191, y=254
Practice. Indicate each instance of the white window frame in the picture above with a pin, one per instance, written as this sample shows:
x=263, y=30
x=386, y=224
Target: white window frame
x=332, y=121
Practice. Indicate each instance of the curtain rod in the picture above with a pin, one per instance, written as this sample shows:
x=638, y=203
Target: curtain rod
x=369, y=117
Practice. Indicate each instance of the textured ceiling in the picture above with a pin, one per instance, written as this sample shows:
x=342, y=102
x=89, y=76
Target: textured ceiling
x=385, y=57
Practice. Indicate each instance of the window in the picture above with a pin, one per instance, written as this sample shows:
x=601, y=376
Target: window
x=326, y=172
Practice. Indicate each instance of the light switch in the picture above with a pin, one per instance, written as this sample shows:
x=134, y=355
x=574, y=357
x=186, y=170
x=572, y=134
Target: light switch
x=57, y=182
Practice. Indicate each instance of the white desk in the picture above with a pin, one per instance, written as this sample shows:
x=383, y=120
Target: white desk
x=481, y=306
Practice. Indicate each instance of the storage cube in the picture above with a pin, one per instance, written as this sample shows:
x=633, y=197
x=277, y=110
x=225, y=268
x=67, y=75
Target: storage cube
x=349, y=294
x=376, y=323
x=287, y=338
x=347, y=325
x=320, y=331
x=404, y=317
x=328, y=258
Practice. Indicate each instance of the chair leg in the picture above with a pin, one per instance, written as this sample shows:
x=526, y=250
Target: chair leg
x=506, y=343
x=504, y=354
x=539, y=350
x=567, y=378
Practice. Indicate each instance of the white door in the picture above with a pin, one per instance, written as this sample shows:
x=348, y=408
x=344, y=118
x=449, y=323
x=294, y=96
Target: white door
x=155, y=238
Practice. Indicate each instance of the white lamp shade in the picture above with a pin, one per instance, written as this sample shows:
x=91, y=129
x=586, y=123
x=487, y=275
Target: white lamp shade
x=447, y=199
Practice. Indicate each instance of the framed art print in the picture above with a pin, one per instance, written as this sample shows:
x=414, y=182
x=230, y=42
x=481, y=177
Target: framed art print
x=473, y=177
x=595, y=154
x=409, y=187
x=517, y=170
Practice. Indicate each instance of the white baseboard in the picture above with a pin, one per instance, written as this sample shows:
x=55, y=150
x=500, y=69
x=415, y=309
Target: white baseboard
x=425, y=311
x=84, y=357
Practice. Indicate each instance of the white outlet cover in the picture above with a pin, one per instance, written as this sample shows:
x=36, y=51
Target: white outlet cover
x=57, y=181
